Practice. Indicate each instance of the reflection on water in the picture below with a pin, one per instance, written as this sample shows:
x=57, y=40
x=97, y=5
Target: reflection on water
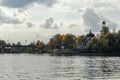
x=44, y=67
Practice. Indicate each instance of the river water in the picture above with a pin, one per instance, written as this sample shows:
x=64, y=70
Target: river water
x=45, y=67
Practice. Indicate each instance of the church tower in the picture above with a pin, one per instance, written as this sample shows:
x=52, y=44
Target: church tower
x=105, y=29
x=103, y=24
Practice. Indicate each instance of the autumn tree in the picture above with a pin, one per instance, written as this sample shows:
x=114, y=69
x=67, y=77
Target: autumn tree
x=69, y=41
x=39, y=46
x=55, y=42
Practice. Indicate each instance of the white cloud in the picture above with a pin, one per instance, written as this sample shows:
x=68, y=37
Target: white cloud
x=4, y=18
x=73, y=25
x=30, y=24
x=111, y=24
x=67, y=16
x=49, y=24
x=93, y=21
x=25, y=3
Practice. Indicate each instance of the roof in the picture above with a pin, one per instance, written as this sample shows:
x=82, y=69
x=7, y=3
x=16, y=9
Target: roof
x=103, y=22
x=90, y=34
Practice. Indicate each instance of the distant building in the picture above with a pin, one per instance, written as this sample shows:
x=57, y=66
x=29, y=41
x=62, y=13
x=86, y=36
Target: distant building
x=105, y=29
x=89, y=36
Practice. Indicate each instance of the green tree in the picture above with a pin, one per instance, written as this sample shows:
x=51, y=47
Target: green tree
x=118, y=41
x=111, y=40
x=2, y=44
x=19, y=44
x=81, y=40
x=31, y=48
x=97, y=44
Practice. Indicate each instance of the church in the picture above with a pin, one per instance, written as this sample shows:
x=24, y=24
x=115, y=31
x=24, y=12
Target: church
x=90, y=35
x=104, y=30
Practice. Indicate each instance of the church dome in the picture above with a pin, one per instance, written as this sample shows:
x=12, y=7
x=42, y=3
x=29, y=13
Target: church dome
x=90, y=34
x=103, y=22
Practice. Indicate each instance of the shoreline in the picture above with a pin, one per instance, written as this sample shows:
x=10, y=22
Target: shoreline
x=86, y=54
x=75, y=54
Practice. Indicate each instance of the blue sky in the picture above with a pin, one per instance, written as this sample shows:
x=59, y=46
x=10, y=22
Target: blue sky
x=33, y=20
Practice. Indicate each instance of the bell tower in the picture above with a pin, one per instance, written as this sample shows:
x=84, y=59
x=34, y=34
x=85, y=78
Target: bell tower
x=103, y=24
x=105, y=29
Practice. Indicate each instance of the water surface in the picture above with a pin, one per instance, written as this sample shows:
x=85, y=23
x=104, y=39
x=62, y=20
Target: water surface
x=45, y=67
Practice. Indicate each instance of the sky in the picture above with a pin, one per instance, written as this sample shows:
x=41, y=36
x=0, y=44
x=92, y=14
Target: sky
x=33, y=20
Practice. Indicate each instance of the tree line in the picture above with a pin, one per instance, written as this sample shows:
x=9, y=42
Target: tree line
x=107, y=42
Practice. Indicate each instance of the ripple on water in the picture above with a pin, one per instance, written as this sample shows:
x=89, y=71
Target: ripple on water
x=44, y=67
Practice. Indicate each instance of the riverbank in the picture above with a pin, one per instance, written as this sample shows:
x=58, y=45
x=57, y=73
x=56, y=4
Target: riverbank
x=73, y=52
x=85, y=54
x=82, y=53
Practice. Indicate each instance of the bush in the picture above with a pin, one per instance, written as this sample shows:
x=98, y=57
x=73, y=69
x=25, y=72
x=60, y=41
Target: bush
x=50, y=51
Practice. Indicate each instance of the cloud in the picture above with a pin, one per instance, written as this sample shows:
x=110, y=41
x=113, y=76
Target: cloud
x=8, y=19
x=49, y=24
x=112, y=25
x=73, y=25
x=24, y=3
x=30, y=24
x=55, y=26
x=79, y=10
x=105, y=3
x=93, y=21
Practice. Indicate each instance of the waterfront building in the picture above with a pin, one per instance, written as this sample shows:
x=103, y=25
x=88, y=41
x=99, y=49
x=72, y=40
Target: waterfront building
x=89, y=36
x=105, y=29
